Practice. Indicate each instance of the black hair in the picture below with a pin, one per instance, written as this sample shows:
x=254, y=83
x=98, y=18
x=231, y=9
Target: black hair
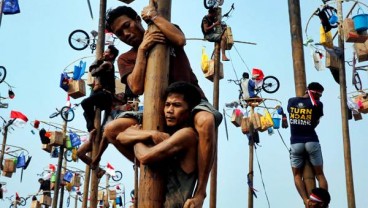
x=315, y=86
x=245, y=75
x=113, y=14
x=323, y=195
x=212, y=11
x=113, y=50
x=40, y=179
x=189, y=91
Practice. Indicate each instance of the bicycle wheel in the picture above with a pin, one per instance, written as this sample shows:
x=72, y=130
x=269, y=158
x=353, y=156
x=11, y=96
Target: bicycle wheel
x=208, y=4
x=357, y=82
x=68, y=155
x=78, y=40
x=67, y=113
x=2, y=74
x=54, y=114
x=270, y=84
x=118, y=176
x=22, y=201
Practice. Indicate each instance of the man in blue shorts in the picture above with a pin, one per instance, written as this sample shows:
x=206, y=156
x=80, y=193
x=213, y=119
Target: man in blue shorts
x=304, y=115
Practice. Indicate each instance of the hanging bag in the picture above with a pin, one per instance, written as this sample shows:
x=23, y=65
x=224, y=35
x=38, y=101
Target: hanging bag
x=68, y=176
x=64, y=81
x=74, y=139
x=21, y=161
x=11, y=7
x=79, y=70
x=204, y=62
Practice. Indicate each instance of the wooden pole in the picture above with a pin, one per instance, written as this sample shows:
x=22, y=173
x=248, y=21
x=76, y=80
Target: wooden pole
x=59, y=167
x=299, y=74
x=251, y=159
x=344, y=115
x=97, y=122
x=87, y=177
x=64, y=168
x=10, y=122
x=151, y=186
x=216, y=82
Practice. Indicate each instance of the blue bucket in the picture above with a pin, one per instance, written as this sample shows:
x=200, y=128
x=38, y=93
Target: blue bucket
x=360, y=21
x=276, y=123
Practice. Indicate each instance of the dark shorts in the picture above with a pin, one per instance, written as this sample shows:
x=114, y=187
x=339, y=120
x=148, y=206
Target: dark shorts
x=206, y=106
x=138, y=115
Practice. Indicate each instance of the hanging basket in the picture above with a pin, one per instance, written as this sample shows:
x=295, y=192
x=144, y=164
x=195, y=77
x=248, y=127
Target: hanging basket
x=360, y=21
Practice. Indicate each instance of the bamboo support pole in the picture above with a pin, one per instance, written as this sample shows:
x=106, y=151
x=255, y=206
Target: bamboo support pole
x=344, y=115
x=151, y=186
x=87, y=177
x=59, y=167
x=97, y=121
x=216, y=82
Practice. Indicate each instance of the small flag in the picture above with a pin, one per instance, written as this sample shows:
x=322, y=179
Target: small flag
x=68, y=101
x=52, y=167
x=20, y=118
x=110, y=169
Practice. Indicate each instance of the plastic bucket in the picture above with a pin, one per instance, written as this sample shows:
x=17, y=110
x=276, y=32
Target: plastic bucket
x=360, y=22
x=333, y=19
x=276, y=123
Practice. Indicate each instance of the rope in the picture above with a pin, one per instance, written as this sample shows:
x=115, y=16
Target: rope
x=260, y=172
x=241, y=58
x=232, y=65
x=283, y=141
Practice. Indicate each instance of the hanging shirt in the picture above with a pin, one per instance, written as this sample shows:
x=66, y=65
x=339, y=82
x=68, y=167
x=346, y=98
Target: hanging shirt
x=248, y=87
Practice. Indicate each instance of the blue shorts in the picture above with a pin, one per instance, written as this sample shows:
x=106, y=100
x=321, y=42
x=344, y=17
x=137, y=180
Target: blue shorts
x=300, y=151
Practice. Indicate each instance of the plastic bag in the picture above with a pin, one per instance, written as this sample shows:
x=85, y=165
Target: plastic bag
x=68, y=176
x=79, y=70
x=205, y=64
x=325, y=38
x=21, y=161
x=64, y=81
x=74, y=139
x=11, y=7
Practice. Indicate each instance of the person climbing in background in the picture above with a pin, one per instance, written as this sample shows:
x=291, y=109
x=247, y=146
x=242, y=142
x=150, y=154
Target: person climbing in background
x=304, y=115
x=102, y=97
x=103, y=87
x=319, y=198
x=209, y=23
x=126, y=24
x=45, y=187
x=248, y=86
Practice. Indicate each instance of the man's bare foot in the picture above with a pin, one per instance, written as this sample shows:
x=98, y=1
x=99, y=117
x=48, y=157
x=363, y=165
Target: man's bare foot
x=194, y=203
x=224, y=58
x=100, y=172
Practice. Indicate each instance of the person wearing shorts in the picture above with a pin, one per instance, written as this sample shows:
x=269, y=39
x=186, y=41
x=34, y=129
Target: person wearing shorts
x=209, y=22
x=304, y=115
x=126, y=24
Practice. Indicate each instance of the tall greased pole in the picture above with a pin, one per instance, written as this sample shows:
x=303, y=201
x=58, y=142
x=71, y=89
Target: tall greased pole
x=344, y=114
x=97, y=122
x=216, y=86
x=151, y=183
x=87, y=176
x=59, y=169
x=299, y=74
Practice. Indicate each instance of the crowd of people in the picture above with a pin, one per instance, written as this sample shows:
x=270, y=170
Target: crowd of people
x=188, y=143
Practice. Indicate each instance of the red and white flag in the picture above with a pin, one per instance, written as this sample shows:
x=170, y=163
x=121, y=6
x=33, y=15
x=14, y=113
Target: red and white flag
x=110, y=169
x=20, y=118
